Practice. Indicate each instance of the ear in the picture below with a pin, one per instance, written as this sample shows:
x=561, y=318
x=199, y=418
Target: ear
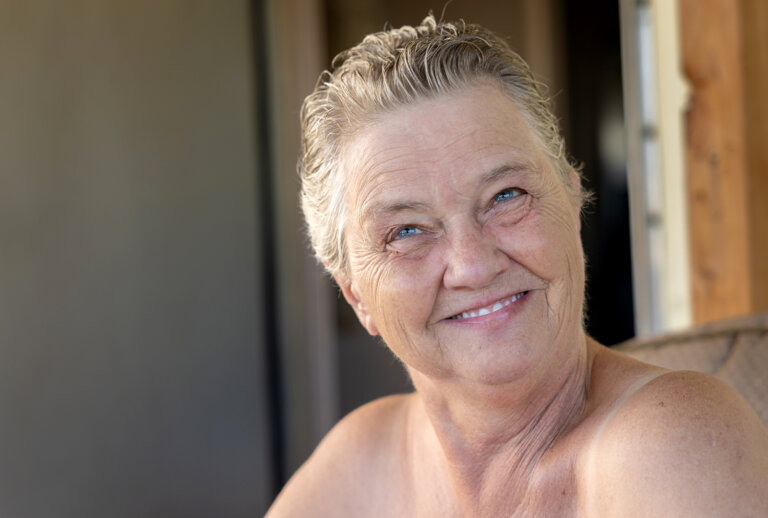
x=353, y=298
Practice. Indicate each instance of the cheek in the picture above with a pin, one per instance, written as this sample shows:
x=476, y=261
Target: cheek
x=402, y=291
x=548, y=244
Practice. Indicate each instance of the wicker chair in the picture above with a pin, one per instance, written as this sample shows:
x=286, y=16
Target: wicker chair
x=736, y=351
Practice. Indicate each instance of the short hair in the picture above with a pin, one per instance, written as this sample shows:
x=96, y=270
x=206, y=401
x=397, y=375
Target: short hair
x=396, y=68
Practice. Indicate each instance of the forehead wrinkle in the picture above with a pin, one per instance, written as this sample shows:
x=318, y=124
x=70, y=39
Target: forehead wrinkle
x=371, y=208
x=369, y=177
x=453, y=143
x=467, y=160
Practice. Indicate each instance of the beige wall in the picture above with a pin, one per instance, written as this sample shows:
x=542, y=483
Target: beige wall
x=131, y=372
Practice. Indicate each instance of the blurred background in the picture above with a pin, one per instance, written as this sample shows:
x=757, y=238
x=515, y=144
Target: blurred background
x=168, y=346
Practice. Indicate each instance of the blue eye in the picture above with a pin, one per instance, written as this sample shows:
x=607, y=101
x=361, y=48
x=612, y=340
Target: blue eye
x=506, y=194
x=407, y=232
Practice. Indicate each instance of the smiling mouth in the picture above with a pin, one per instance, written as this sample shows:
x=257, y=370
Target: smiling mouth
x=487, y=310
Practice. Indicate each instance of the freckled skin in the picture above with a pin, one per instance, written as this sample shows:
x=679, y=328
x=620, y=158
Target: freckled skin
x=454, y=207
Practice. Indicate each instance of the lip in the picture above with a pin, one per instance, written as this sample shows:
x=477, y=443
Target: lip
x=487, y=308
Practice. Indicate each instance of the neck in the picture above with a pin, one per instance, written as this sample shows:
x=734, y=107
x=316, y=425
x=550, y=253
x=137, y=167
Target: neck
x=489, y=439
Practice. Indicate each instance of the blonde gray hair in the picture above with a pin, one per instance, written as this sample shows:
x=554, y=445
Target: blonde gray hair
x=388, y=70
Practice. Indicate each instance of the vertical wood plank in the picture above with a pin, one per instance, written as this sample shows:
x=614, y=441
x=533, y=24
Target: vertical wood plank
x=717, y=159
x=755, y=44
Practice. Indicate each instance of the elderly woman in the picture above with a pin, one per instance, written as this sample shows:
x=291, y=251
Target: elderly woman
x=438, y=194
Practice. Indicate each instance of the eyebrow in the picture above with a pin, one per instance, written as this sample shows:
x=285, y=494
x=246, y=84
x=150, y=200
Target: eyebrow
x=393, y=208
x=502, y=171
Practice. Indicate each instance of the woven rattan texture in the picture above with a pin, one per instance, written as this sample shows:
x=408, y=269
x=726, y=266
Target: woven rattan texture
x=735, y=351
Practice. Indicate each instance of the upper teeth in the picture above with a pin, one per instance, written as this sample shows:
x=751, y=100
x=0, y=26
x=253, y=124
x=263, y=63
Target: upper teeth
x=493, y=308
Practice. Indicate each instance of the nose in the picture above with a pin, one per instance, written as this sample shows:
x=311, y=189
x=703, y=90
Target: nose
x=474, y=260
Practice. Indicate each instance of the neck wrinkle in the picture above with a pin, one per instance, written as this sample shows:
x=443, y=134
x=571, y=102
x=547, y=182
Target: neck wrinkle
x=485, y=465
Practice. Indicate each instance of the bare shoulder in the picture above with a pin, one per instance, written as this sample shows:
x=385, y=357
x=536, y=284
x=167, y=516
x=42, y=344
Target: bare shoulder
x=345, y=469
x=683, y=444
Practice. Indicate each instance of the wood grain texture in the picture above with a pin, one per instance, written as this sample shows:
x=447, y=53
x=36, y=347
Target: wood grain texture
x=755, y=41
x=716, y=154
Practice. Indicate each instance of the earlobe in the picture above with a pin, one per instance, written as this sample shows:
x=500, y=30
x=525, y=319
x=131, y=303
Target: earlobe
x=354, y=300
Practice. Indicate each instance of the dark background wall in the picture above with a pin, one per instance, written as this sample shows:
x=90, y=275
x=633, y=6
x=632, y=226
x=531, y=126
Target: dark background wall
x=131, y=373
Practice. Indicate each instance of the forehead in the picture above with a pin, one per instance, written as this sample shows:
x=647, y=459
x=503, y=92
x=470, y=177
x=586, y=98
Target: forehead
x=481, y=111
x=447, y=138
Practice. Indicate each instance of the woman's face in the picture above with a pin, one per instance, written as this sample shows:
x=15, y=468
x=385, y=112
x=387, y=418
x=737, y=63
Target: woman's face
x=463, y=242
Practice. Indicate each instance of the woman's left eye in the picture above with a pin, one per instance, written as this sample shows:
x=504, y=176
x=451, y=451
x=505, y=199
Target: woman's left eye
x=407, y=232
x=506, y=195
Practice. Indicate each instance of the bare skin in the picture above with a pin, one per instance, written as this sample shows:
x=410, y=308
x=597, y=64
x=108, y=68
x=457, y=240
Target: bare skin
x=647, y=443
x=465, y=257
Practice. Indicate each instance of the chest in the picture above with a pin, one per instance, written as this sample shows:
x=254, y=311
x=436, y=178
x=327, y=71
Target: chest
x=551, y=490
